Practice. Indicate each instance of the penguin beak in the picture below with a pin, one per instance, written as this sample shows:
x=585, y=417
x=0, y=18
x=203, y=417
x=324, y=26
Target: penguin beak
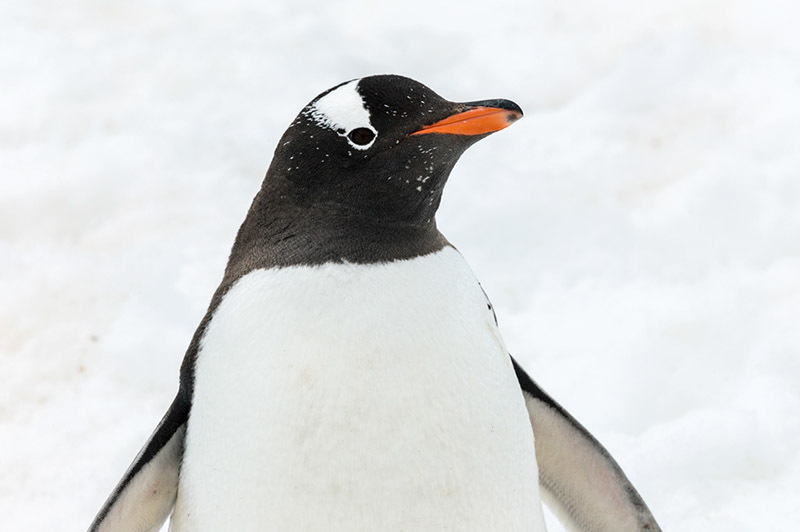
x=476, y=118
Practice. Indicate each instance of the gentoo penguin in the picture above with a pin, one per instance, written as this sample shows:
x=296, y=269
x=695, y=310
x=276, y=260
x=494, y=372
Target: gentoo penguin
x=349, y=374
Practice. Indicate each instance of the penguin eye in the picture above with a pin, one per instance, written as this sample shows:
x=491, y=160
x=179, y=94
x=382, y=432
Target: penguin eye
x=361, y=136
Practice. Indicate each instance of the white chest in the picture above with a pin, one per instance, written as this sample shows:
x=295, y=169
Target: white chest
x=357, y=398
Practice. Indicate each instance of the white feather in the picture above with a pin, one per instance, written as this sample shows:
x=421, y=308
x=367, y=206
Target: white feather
x=343, y=110
x=349, y=397
x=146, y=501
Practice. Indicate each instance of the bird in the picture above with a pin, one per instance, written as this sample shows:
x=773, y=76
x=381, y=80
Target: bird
x=349, y=373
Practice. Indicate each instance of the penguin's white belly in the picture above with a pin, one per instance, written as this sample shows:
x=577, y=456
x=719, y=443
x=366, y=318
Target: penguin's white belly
x=348, y=398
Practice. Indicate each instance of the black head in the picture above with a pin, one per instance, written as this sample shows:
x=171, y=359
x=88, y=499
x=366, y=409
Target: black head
x=354, y=148
x=365, y=162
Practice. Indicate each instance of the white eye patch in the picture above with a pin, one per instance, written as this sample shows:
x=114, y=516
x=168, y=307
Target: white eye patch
x=343, y=111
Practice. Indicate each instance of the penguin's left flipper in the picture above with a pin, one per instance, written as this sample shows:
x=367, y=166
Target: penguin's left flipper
x=144, y=497
x=580, y=481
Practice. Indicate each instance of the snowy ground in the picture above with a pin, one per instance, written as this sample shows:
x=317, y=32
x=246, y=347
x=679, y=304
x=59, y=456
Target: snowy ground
x=638, y=231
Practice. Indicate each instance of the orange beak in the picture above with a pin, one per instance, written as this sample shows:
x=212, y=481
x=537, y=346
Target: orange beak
x=477, y=120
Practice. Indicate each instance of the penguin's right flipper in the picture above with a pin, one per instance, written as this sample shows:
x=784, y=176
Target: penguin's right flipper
x=144, y=497
x=580, y=481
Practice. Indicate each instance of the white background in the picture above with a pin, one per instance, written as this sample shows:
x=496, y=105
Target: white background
x=638, y=231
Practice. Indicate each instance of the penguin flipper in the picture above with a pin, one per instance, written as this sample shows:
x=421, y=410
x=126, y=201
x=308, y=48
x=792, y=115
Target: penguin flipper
x=144, y=497
x=580, y=481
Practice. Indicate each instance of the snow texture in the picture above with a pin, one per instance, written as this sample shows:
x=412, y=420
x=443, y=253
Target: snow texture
x=637, y=231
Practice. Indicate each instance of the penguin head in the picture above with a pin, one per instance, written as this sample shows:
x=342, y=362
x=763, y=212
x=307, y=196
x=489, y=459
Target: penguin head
x=380, y=148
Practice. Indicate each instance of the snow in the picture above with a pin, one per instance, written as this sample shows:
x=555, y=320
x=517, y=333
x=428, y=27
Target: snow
x=637, y=231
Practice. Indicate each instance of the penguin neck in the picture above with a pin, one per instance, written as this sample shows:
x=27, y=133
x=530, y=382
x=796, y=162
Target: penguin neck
x=283, y=229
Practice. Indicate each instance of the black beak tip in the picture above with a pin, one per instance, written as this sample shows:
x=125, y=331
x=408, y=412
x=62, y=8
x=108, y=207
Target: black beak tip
x=514, y=110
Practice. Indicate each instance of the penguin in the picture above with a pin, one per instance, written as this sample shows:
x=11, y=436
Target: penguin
x=349, y=374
